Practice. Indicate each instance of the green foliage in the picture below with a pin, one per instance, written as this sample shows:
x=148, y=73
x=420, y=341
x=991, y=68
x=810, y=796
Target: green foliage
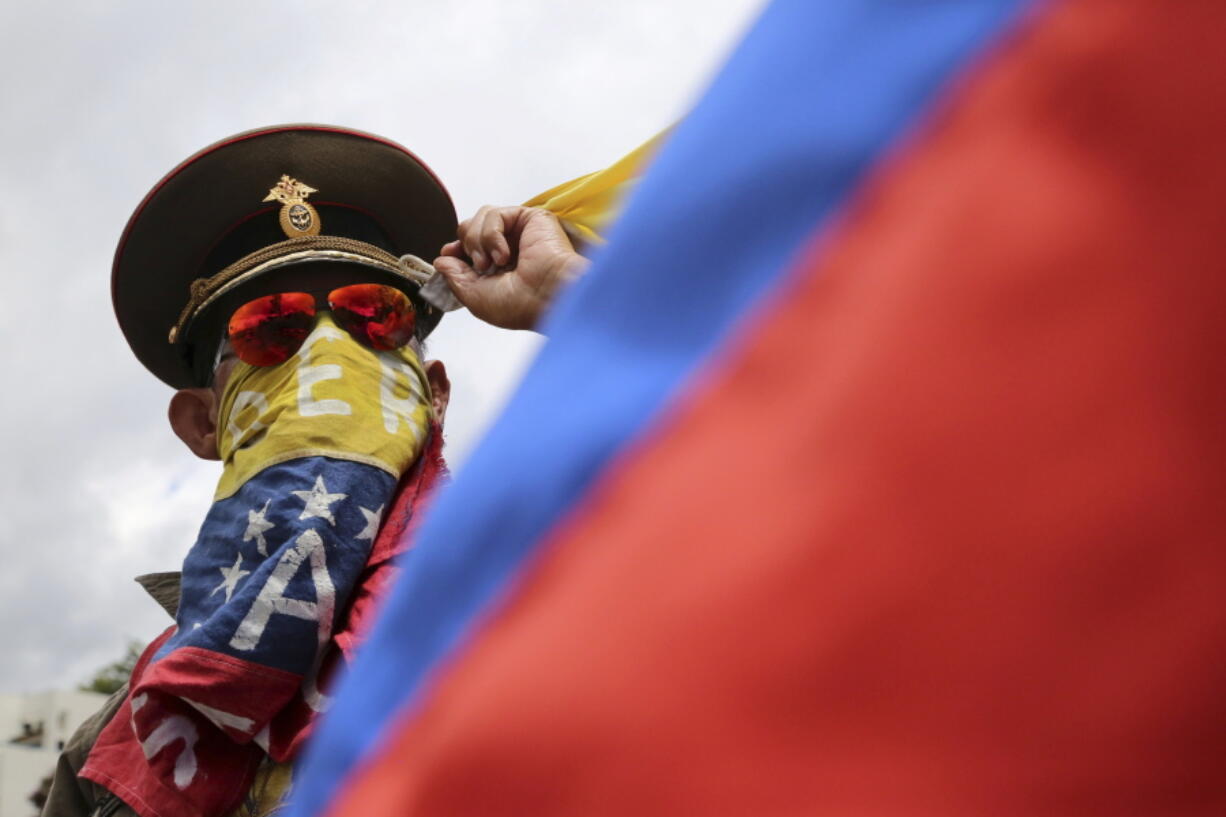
x=114, y=675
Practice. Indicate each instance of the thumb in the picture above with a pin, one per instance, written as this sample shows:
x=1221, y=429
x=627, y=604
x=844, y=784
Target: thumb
x=457, y=273
x=463, y=281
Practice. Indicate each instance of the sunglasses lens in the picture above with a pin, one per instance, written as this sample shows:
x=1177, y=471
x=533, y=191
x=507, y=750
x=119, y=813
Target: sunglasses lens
x=380, y=316
x=268, y=330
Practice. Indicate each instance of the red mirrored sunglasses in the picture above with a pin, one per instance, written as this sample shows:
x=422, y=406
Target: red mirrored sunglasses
x=270, y=329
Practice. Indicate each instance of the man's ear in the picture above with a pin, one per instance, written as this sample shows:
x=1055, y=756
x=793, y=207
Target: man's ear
x=194, y=420
x=440, y=387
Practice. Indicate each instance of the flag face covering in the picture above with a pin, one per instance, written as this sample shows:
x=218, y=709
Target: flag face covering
x=334, y=398
x=312, y=452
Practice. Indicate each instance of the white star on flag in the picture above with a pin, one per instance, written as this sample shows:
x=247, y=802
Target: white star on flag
x=232, y=575
x=372, y=523
x=257, y=524
x=319, y=501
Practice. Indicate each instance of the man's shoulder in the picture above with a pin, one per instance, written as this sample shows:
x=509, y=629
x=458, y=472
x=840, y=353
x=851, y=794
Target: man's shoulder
x=69, y=795
x=164, y=588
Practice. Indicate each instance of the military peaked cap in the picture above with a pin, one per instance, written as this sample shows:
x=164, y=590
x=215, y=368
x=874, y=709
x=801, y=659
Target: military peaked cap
x=258, y=211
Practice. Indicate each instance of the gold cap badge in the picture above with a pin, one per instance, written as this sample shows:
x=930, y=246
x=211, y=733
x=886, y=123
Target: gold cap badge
x=297, y=217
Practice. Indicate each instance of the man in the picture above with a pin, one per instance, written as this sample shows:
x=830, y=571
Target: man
x=272, y=280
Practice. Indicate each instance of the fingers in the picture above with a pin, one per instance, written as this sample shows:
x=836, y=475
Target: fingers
x=455, y=270
x=530, y=249
x=481, y=294
x=469, y=233
x=460, y=278
x=487, y=238
x=494, y=229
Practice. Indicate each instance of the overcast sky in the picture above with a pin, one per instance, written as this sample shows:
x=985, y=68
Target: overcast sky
x=99, y=100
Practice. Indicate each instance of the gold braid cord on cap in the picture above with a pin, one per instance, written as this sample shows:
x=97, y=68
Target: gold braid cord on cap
x=306, y=248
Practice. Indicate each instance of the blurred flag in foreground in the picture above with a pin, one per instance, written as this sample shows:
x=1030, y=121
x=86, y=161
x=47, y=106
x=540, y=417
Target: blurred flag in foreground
x=875, y=468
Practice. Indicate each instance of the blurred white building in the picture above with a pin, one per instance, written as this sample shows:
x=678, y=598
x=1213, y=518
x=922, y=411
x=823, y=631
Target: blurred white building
x=33, y=729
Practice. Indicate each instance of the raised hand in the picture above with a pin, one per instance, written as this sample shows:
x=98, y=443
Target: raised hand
x=509, y=263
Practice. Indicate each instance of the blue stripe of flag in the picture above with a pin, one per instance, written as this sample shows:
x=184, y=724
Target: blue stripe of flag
x=807, y=104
